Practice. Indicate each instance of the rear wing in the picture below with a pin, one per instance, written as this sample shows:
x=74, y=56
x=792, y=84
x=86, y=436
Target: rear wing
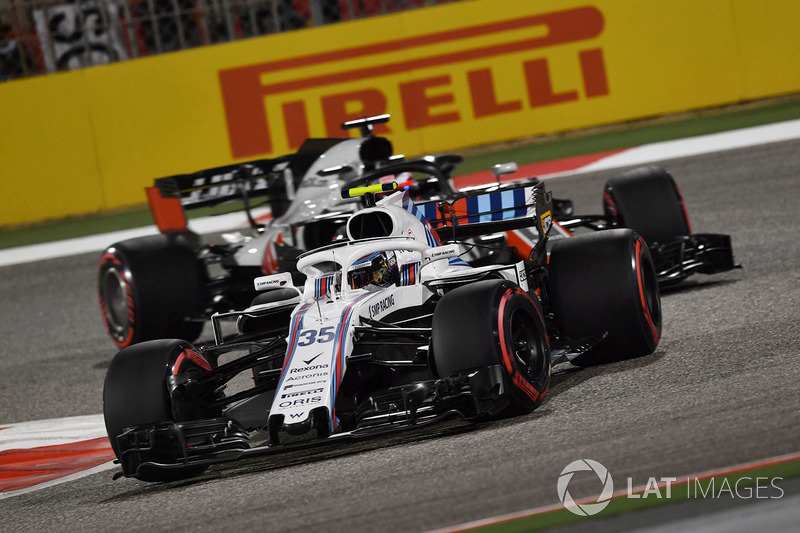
x=214, y=186
x=492, y=209
x=170, y=196
x=277, y=179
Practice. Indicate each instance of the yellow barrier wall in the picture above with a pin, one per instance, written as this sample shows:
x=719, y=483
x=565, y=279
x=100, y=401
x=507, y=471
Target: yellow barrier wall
x=452, y=76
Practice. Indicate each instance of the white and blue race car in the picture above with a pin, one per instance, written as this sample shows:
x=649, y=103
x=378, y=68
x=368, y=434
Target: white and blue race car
x=391, y=329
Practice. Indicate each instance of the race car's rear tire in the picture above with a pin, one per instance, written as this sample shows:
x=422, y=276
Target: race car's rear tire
x=494, y=322
x=135, y=394
x=149, y=288
x=605, y=283
x=648, y=201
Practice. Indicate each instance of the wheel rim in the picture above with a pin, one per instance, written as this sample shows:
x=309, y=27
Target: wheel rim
x=527, y=345
x=115, y=298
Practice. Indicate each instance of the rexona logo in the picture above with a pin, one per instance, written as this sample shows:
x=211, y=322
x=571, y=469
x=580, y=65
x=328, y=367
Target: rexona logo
x=586, y=509
x=307, y=369
x=420, y=78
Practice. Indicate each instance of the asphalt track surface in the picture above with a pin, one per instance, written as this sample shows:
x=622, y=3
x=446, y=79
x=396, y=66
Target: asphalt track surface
x=721, y=389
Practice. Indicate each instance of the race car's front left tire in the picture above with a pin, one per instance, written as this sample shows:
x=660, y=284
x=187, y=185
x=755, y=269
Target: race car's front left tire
x=135, y=394
x=494, y=322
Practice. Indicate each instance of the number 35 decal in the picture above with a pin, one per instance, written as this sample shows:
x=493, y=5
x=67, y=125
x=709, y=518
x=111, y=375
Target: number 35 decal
x=322, y=336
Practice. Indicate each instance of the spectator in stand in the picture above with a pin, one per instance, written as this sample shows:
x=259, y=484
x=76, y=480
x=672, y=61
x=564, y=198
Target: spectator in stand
x=164, y=29
x=15, y=59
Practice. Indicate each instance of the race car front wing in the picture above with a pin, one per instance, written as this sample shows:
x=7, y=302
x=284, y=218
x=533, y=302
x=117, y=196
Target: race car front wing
x=471, y=396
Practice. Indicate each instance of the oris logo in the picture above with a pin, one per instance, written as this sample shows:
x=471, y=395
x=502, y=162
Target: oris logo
x=300, y=401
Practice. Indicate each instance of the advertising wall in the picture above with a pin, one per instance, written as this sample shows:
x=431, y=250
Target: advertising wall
x=452, y=76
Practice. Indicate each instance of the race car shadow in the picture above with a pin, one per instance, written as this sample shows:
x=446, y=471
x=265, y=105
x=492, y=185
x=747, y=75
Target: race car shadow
x=694, y=286
x=566, y=376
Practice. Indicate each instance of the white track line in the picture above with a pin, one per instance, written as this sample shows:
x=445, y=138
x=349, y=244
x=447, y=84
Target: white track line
x=716, y=142
x=26, y=435
x=96, y=243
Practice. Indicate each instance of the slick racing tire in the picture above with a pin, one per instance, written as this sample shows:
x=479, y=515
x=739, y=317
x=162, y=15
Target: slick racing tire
x=149, y=287
x=604, y=283
x=648, y=201
x=135, y=394
x=494, y=322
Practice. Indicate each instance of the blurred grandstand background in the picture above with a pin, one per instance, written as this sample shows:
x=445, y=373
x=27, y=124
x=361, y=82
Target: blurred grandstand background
x=43, y=36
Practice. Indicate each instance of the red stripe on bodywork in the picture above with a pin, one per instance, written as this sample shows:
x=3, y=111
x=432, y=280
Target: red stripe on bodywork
x=568, y=232
x=520, y=243
x=192, y=356
x=176, y=367
x=338, y=358
x=197, y=359
x=293, y=340
x=269, y=264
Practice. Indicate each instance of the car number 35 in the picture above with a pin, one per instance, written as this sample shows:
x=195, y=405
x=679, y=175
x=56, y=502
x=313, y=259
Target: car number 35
x=310, y=336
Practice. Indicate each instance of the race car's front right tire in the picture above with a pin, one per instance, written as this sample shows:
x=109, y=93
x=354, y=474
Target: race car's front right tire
x=150, y=287
x=135, y=394
x=494, y=322
x=648, y=201
x=602, y=287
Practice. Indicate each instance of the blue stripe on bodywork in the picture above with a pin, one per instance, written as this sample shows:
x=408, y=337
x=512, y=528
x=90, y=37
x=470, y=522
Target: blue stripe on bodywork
x=484, y=206
x=430, y=211
x=472, y=209
x=457, y=261
x=338, y=359
x=507, y=198
x=295, y=327
x=496, y=205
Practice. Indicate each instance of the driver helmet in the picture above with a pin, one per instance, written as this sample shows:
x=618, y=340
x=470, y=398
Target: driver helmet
x=379, y=268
